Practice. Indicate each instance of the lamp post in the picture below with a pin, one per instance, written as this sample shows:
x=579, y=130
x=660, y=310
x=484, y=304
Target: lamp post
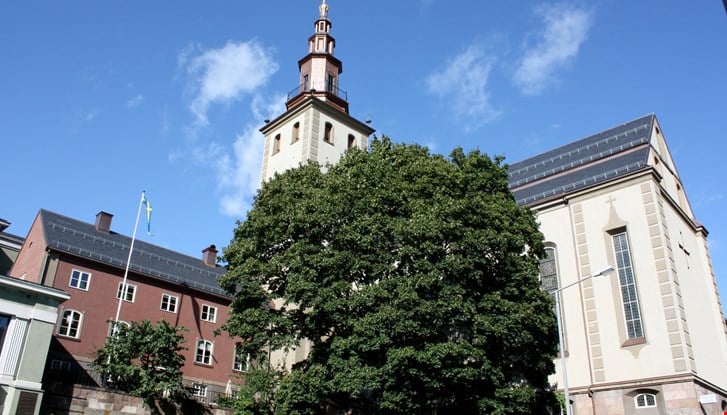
x=604, y=271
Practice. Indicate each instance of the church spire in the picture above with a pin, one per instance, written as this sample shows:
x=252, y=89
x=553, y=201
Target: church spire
x=319, y=69
x=316, y=125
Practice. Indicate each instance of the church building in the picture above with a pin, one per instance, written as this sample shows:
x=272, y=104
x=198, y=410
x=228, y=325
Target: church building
x=648, y=337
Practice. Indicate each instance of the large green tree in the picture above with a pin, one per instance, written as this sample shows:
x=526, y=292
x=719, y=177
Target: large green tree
x=413, y=275
x=144, y=359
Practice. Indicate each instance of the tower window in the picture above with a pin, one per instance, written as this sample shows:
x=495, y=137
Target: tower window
x=328, y=133
x=296, y=132
x=331, y=84
x=306, y=80
x=276, y=144
x=351, y=141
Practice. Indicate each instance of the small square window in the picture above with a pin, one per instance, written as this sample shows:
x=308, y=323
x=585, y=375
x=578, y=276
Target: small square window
x=169, y=303
x=129, y=293
x=79, y=279
x=209, y=313
x=199, y=390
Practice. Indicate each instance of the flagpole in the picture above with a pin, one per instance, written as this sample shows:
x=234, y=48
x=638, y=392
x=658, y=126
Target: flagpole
x=128, y=262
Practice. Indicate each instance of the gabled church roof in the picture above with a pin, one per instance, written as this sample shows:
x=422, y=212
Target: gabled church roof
x=613, y=153
x=81, y=239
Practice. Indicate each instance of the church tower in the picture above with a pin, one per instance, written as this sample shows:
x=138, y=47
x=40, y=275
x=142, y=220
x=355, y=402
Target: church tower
x=316, y=125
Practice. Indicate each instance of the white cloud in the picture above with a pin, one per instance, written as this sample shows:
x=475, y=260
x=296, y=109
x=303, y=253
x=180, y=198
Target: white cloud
x=236, y=170
x=463, y=85
x=239, y=171
x=566, y=28
x=135, y=102
x=224, y=75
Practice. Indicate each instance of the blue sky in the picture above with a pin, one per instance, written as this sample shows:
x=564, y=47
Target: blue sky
x=101, y=100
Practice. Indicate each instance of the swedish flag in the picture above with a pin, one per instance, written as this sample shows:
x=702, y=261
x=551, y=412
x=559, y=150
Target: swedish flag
x=147, y=209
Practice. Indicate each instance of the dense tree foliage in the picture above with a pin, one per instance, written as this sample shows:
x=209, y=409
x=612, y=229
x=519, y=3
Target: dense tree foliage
x=144, y=359
x=413, y=275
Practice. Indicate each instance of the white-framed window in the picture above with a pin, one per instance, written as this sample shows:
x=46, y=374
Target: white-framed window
x=199, y=390
x=119, y=323
x=204, y=352
x=209, y=313
x=70, y=325
x=169, y=303
x=629, y=298
x=80, y=280
x=241, y=362
x=645, y=400
x=129, y=293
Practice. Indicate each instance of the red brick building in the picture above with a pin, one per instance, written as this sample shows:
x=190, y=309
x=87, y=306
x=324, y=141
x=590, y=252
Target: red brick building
x=88, y=261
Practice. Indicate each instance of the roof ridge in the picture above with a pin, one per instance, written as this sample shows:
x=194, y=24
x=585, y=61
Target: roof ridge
x=137, y=241
x=651, y=115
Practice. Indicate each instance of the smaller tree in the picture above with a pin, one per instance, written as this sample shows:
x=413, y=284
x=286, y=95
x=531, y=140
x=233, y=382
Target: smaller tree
x=256, y=395
x=144, y=359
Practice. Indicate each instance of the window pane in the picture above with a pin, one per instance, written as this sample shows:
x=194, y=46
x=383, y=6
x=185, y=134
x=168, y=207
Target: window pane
x=4, y=323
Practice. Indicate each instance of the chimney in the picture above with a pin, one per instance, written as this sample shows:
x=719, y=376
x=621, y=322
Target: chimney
x=209, y=256
x=103, y=221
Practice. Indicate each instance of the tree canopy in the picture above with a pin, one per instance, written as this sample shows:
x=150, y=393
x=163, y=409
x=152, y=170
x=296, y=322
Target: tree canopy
x=413, y=275
x=144, y=359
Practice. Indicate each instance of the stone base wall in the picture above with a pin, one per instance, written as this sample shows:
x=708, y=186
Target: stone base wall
x=97, y=401
x=676, y=397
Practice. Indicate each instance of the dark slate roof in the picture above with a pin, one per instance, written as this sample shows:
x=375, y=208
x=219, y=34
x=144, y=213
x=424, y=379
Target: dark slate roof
x=610, y=154
x=83, y=240
x=10, y=238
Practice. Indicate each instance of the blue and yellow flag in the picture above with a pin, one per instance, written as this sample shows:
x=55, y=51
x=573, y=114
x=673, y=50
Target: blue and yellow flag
x=147, y=209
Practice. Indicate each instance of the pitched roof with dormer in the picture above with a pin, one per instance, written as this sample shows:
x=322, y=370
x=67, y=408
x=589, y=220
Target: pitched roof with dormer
x=83, y=240
x=602, y=157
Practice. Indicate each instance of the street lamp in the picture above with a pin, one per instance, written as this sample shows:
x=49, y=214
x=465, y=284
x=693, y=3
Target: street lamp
x=604, y=271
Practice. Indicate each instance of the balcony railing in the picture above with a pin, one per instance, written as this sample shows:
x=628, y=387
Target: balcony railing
x=312, y=87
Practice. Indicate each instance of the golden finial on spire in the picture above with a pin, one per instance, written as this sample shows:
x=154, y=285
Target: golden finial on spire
x=324, y=9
